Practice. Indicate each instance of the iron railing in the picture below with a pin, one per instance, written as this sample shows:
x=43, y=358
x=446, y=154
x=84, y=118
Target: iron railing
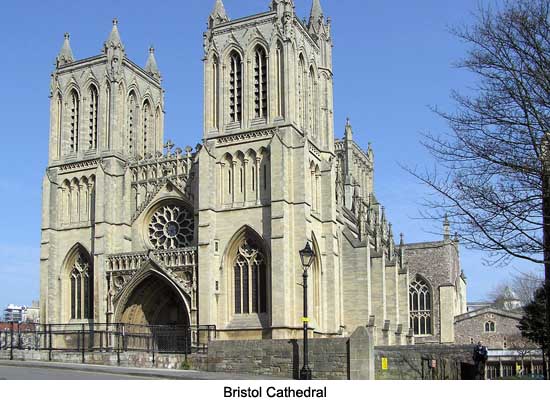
x=102, y=337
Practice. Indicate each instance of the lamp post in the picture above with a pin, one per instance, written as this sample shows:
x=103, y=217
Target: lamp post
x=306, y=256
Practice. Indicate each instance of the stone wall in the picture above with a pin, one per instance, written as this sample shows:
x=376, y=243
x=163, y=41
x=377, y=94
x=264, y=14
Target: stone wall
x=128, y=359
x=470, y=328
x=328, y=358
x=416, y=362
x=334, y=358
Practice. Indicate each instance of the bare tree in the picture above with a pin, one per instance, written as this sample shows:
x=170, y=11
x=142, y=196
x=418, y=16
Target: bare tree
x=493, y=175
x=523, y=285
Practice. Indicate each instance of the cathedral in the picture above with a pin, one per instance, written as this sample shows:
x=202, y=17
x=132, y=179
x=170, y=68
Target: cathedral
x=136, y=230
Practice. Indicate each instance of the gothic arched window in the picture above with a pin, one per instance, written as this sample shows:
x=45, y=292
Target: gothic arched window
x=147, y=126
x=235, y=87
x=250, y=279
x=81, y=278
x=260, y=83
x=280, y=80
x=215, y=92
x=301, y=93
x=311, y=100
x=131, y=124
x=420, y=302
x=93, y=118
x=74, y=120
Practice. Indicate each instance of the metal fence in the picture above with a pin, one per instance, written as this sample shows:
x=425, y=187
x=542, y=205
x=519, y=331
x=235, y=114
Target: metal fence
x=103, y=337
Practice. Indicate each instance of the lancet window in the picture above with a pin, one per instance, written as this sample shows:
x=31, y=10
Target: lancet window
x=235, y=88
x=74, y=120
x=93, y=118
x=260, y=83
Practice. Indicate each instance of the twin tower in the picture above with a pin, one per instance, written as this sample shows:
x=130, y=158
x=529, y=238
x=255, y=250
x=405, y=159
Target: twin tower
x=137, y=231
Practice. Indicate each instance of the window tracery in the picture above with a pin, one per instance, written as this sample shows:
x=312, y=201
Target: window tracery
x=250, y=279
x=420, y=301
x=172, y=226
x=81, y=279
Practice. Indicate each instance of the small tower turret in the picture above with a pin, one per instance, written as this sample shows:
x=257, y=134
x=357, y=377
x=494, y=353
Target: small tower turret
x=151, y=67
x=65, y=54
x=218, y=15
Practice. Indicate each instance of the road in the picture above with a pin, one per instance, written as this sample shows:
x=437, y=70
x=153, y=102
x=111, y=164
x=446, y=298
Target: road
x=27, y=373
x=29, y=370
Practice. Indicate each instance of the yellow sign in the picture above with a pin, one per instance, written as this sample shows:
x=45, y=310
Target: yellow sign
x=305, y=320
x=384, y=363
x=518, y=368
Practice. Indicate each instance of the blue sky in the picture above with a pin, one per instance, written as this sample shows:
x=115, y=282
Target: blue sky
x=392, y=60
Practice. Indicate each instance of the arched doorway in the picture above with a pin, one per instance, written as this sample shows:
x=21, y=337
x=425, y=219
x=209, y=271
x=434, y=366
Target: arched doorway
x=154, y=315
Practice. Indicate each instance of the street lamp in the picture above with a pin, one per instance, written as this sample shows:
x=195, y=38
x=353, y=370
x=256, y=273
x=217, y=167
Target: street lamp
x=306, y=256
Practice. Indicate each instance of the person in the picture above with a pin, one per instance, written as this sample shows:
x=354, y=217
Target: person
x=480, y=358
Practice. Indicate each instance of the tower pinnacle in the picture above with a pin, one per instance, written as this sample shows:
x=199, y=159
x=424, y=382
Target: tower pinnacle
x=218, y=14
x=316, y=13
x=151, y=66
x=114, y=41
x=65, y=54
x=348, y=134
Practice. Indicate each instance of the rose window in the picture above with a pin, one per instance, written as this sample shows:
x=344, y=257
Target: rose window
x=171, y=227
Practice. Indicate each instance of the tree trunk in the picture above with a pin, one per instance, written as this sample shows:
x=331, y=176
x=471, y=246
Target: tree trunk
x=546, y=243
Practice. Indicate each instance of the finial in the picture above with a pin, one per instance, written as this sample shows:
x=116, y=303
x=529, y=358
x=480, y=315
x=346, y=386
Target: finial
x=151, y=49
x=115, y=21
x=67, y=35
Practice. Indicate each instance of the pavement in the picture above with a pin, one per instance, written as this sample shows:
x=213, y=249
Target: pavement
x=40, y=370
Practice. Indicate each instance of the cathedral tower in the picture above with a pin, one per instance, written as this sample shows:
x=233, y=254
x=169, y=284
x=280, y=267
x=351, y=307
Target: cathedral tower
x=105, y=112
x=269, y=150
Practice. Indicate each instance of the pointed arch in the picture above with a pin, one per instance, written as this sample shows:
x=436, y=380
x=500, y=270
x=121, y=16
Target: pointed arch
x=312, y=101
x=158, y=130
x=246, y=261
x=147, y=129
x=280, y=78
x=73, y=116
x=420, y=306
x=58, y=124
x=151, y=313
x=301, y=91
x=235, y=81
x=215, y=91
x=79, y=280
x=93, y=115
x=261, y=83
x=131, y=122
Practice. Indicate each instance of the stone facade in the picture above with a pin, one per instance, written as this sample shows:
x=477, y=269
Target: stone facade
x=437, y=264
x=137, y=231
x=495, y=328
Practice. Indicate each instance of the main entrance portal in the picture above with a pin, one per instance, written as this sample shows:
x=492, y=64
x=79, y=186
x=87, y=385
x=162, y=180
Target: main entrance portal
x=155, y=316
